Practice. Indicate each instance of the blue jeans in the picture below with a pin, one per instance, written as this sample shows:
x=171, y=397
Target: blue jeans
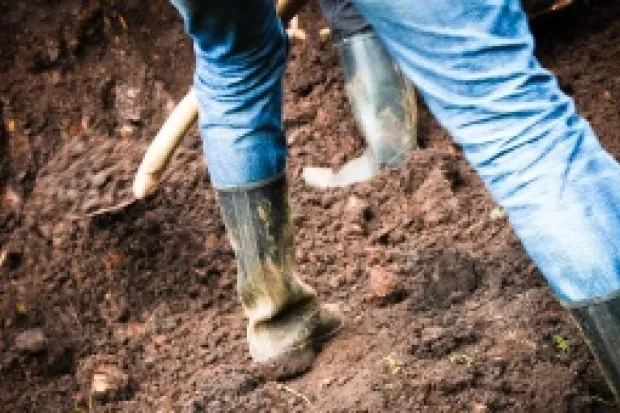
x=472, y=62
x=241, y=50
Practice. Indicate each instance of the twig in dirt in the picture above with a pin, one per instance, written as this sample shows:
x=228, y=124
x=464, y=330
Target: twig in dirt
x=102, y=211
x=294, y=392
x=112, y=209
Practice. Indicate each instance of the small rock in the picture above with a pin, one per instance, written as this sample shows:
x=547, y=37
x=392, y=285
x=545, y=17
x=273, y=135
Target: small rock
x=384, y=283
x=127, y=130
x=101, y=178
x=109, y=383
x=497, y=213
x=149, y=360
x=211, y=242
x=31, y=341
x=12, y=199
x=358, y=209
x=78, y=148
x=480, y=408
x=55, y=77
x=103, y=378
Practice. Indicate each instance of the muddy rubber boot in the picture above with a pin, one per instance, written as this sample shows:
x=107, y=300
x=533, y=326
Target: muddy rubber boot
x=599, y=322
x=384, y=106
x=286, y=323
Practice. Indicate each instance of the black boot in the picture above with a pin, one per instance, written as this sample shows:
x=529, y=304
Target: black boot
x=285, y=320
x=599, y=322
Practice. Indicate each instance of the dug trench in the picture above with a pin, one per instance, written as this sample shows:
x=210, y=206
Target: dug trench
x=135, y=310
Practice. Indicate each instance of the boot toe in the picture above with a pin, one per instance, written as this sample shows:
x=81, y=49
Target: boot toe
x=300, y=358
x=289, y=365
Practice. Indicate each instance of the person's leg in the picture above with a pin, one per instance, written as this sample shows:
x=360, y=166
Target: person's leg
x=473, y=63
x=240, y=60
x=383, y=102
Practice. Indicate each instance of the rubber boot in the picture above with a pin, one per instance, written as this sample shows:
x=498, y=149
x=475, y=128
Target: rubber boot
x=599, y=322
x=385, y=110
x=286, y=324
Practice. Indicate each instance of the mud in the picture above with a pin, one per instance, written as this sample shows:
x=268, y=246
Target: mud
x=146, y=294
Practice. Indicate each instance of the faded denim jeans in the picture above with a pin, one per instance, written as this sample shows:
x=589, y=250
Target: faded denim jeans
x=472, y=62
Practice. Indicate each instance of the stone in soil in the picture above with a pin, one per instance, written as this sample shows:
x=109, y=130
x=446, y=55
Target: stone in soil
x=31, y=342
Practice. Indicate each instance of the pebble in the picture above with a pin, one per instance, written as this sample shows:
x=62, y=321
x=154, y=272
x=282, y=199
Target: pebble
x=31, y=341
x=109, y=382
x=357, y=208
x=480, y=408
x=102, y=378
x=384, y=283
x=101, y=178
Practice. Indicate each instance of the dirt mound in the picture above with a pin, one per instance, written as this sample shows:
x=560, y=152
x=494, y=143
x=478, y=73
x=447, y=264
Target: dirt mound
x=135, y=310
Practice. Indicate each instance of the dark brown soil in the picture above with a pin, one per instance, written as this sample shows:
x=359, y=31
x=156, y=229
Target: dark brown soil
x=146, y=294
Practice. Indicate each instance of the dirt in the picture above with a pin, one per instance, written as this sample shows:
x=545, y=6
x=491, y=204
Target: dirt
x=143, y=298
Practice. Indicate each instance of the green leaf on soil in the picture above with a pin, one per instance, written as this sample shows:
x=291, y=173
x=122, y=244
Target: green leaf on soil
x=392, y=364
x=561, y=344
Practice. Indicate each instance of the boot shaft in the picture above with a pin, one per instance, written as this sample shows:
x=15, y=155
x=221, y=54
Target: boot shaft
x=382, y=99
x=258, y=224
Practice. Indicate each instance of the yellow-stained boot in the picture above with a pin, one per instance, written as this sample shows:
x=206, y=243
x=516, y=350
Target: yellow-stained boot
x=286, y=323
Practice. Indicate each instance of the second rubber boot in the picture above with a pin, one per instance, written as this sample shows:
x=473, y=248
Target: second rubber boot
x=286, y=323
x=599, y=321
x=385, y=110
